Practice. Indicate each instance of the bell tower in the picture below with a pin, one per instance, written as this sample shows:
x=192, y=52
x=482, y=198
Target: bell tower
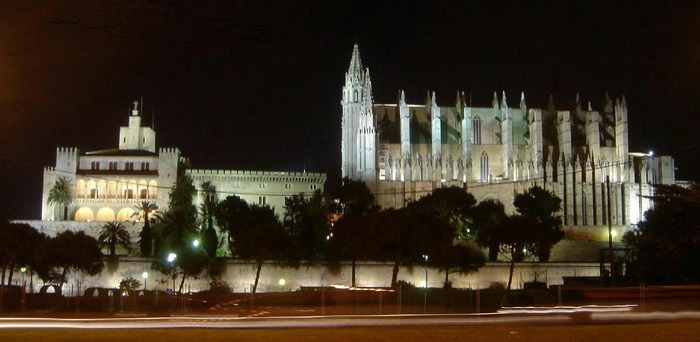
x=358, y=140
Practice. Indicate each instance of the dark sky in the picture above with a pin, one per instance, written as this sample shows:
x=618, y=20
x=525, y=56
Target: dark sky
x=256, y=85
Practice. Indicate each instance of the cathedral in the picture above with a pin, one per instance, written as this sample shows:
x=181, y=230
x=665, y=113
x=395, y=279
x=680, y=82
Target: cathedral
x=403, y=151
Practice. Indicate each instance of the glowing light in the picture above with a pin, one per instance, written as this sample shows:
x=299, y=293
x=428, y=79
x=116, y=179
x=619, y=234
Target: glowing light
x=423, y=284
x=195, y=243
x=613, y=233
x=172, y=257
x=144, y=275
x=282, y=282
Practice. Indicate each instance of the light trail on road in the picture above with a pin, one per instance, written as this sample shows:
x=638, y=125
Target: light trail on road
x=526, y=315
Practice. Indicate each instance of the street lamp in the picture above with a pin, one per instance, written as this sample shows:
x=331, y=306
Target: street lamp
x=195, y=243
x=172, y=257
x=425, y=295
x=145, y=280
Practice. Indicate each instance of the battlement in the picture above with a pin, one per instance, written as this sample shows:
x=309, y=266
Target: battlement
x=255, y=173
x=67, y=150
x=168, y=150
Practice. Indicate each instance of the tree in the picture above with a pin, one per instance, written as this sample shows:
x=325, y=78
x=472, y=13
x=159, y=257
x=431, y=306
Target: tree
x=71, y=251
x=516, y=233
x=261, y=237
x=62, y=195
x=177, y=228
x=543, y=206
x=485, y=216
x=207, y=209
x=666, y=243
x=404, y=235
x=308, y=223
x=355, y=198
x=231, y=214
x=461, y=257
x=19, y=243
x=453, y=205
x=182, y=194
x=144, y=211
x=351, y=232
x=113, y=234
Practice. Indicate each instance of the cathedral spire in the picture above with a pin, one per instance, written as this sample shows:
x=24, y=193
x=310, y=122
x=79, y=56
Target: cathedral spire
x=402, y=98
x=522, y=100
x=550, y=106
x=494, y=103
x=607, y=104
x=355, y=69
x=503, y=101
x=578, y=103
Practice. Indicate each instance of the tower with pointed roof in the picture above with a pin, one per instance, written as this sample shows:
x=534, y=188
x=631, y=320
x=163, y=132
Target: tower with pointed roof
x=358, y=141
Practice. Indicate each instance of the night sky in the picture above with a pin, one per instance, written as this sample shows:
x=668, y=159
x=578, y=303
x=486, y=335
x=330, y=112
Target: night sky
x=256, y=85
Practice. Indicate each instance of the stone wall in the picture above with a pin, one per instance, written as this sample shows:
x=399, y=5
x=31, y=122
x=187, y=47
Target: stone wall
x=241, y=275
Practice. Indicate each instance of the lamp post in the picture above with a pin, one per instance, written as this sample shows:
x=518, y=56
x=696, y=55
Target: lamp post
x=145, y=280
x=425, y=294
x=171, y=258
x=23, y=269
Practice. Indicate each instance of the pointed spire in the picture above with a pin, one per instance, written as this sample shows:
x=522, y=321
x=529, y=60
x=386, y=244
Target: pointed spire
x=522, y=100
x=402, y=98
x=503, y=101
x=578, y=103
x=624, y=101
x=355, y=69
x=590, y=109
x=458, y=101
x=433, y=101
x=428, y=100
x=607, y=104
x=494, y=103
x=550, y=106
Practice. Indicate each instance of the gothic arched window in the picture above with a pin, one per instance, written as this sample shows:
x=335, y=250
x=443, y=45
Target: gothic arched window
x=476, y=130
x=484, y=167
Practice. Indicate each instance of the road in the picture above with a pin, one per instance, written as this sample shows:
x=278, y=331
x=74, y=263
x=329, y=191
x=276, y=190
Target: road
x=580, y=323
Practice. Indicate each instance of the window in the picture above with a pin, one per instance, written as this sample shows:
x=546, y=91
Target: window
x=128, y=193
x=143, y=194
x=95, y=165
x=476, y=130
x=313, y=186
x=148, y=166
x=262, y=200
x=129, y=166
x=288, y=186
x=484, y=167
x=94, y=193
x=262, y=186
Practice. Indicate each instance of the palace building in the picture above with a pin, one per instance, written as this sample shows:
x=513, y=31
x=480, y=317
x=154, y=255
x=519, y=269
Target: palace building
x=108, y=184
x=403, y=151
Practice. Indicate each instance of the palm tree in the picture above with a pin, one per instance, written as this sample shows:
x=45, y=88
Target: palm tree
x=113, y=234
x=61, y=194
x=145, y=208
x=177, y=228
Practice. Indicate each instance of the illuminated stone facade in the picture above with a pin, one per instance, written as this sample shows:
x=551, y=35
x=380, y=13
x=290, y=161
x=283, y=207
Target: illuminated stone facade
x=403, y=151
x=108, y=184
